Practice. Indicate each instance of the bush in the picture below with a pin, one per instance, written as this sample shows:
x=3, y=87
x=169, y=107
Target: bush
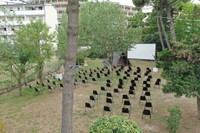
x=114, y=124
x=174, y=118
x=2, y=128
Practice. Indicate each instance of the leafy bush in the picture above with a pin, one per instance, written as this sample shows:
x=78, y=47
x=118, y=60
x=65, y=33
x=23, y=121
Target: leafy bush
x=2, y=128
x=114, y=124
x=174, y=118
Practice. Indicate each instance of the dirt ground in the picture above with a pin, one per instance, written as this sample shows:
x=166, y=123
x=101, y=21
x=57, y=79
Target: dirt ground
x=43, y=114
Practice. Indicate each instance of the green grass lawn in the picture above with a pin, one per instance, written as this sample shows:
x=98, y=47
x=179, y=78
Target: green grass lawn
x=36, y=113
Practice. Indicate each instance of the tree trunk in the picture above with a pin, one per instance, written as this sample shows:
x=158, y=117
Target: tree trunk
x=162, y=3
x=160, y=33
x=70, y=62
x=171, y=24
x=41, y=67
x=198, y=106
x=20, y=86
x=165, y=33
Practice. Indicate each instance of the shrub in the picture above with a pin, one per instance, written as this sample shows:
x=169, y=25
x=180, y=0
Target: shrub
x=174, y=118
x=114, y=124
x=2, y=128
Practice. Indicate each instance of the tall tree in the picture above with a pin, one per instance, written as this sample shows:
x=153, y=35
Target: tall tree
x=103, y=27
x=181, y=65
x=43, y=42
x=16, y=56
x=70, y=62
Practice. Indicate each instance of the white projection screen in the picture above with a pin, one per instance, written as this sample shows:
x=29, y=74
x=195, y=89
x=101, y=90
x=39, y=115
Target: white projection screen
x=142, y=51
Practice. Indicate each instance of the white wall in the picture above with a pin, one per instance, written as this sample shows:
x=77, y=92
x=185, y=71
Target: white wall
x=51, y=19
x=143, y=51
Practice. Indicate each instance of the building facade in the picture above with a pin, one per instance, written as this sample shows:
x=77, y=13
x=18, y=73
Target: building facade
x=14, y=15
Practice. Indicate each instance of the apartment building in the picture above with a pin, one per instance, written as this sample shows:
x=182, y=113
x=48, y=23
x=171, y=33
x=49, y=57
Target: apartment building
x=15, y=14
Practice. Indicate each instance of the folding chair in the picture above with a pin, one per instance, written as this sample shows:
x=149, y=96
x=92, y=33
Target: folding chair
x=108, y=94
x=127, y=103
x=92, y=98
x=146, y=112
x=124, y=97
x=157, y=83
x=103, y=89
x=147, y=94
x=126, y=111
x=107, y=109
x=148, y=105
x=95, y=93
x=120, y=87
x=144, y=90
x=88, y=105
x=37, y=82
x=37, y=90
x=120, y=81
x=131, y=92
x=109, y=100
x=116, y=91
x=132, y=88
x=98, y=75
x=50, y=88
x=142, y=98
x=61, y=85
x=108, y=85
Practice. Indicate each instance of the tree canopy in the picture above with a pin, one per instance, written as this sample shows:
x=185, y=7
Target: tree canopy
x=103, y=26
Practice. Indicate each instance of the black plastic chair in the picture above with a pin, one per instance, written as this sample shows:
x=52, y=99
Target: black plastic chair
x=103, y=89
x=88, y=105
x=146, y=112
x=43, y=85
x=50, y=88
x=109, y=100
x=95, y=93
x=136, y=79
x=107, y=109
x=108, y=81
x=126, y=111
x=148, y=85
x=116, y=90
x=145, y=89
x=54, y=83
x=48, y=81
x=142, y=98
x=98, y=75
x=37, y=82
x=124, y=97
x=124, y=77
x=132, y=88
x=92, y=98
x=61, y=85
x=118, y=74
x=157, y=83
x=120, y=87
x=147, y=94
x=127, y=103
x=131, y=92
x=108, y=94
x=94, y=80
x=37, y=90
x=148, y=105
x=108, y=85
x=83, y=81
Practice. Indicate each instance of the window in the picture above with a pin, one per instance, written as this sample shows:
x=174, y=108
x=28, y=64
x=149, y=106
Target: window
x=40, y=7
